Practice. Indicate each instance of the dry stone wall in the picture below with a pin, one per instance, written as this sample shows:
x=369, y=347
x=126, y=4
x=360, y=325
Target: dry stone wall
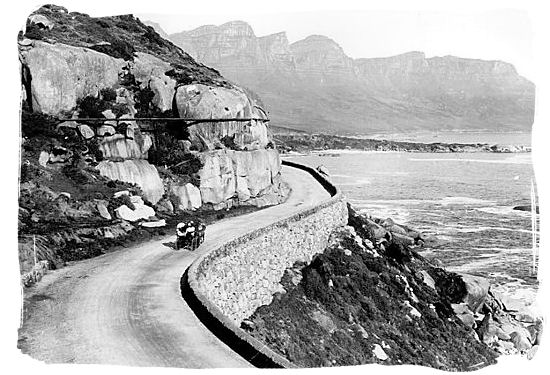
x=245, y=273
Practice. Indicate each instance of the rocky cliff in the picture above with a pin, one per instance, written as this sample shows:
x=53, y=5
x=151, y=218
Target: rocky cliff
x=76, y=67
x=313, y=85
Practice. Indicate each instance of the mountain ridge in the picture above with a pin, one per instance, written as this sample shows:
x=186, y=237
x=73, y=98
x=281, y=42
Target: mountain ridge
x=313, y=85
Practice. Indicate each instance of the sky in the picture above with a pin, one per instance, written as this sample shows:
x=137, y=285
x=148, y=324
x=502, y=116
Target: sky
x=490, y=35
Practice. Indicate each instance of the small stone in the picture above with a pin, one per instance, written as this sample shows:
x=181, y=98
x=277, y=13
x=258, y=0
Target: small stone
x=164, y=205
x=379, y=352
x=121, y=193
x=106, y=130
x=108, y=233
x=43, y=158
x=26, y=42
x=413, y=311
x=67, y=125
x=65, y=195
x=347, y=252
x=108, y=113
x=85, y=131
x=154, y=224
x=427, y=279
x=136, y=200
x=103, y=211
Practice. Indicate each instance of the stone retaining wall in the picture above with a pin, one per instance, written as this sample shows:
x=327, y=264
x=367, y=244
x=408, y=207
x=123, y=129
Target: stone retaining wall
x=232, y=281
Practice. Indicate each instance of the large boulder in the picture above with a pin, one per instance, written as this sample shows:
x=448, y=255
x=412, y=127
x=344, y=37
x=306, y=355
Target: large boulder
x=139, y=172
x=477, y=289
x=253, y=177
x=217, y=177
x=120, y=147
x=62, y=74
x=186, y=197
x=149, y=71
x=140, y=212
x=205, y=102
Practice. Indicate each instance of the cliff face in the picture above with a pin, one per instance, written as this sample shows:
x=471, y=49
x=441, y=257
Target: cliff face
x=76, y=66
x=313, y=85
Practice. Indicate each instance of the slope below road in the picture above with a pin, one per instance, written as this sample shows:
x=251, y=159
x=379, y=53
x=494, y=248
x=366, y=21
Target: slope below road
x=126, y=307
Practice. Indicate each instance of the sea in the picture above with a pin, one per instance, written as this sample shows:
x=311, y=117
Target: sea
x=462, y=201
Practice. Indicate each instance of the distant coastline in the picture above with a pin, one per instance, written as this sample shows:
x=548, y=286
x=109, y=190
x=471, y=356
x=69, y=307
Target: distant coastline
x=305, y=143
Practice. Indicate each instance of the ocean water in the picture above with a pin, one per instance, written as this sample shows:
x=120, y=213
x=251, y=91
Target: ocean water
x=462, y=201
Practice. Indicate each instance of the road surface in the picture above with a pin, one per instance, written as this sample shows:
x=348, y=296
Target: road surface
x=126, y=308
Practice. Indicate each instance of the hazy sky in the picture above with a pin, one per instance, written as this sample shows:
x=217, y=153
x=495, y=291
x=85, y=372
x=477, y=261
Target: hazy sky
x=493, y=35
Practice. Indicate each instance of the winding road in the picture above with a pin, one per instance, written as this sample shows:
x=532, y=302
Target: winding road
x=126, y=308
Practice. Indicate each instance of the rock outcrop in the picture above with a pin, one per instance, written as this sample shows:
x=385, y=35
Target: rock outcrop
x=62, y=74
x=241, y=178
x=118, y=68
x=136, y=171
x=313, y=85
x=204, y=102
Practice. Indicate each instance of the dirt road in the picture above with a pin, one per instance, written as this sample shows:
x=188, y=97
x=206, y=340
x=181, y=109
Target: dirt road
x=126, y=307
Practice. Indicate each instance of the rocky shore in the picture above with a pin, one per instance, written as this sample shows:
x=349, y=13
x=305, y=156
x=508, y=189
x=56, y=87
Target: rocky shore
x=371, y=298
x=302, y=142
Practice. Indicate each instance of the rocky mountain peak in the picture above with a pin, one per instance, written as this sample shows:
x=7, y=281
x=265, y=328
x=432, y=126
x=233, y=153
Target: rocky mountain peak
x=318, y=52
x=237, y=28
x=313, y=78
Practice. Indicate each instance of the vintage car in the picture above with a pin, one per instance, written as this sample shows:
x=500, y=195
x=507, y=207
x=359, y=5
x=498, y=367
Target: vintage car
x=190, y=235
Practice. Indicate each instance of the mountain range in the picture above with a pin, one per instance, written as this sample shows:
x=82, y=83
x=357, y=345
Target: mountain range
x=313, y=85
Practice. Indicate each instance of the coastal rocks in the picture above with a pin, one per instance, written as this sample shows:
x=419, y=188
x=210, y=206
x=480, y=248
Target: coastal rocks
x=62, y=74
x=139, y=172
x=477, y=290
x=520, y=340
x=509, y=148
x=376, y=303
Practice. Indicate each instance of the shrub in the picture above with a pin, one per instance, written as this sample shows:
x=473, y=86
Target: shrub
x=170, y=152
x=75, y=173
x=90, y=106
x=108, y=94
